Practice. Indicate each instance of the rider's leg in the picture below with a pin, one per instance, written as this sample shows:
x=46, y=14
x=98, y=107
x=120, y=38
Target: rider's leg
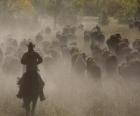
x=19, y=95
x=42, y=96
x=20, y=84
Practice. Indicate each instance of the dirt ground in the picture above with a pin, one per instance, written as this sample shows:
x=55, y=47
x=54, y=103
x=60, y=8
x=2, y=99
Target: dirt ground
x=70, y=95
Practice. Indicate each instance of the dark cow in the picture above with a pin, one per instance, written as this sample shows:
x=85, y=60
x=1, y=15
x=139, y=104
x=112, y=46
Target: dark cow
x=93, y=70
x=113, y=42
x=97, y=36
x=136, y=44
x=111, y=65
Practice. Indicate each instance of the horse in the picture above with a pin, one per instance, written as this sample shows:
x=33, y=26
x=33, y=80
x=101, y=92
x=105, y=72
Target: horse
x=30, y=87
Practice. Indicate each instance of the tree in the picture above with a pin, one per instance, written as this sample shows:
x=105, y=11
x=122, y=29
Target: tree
x=121, y=9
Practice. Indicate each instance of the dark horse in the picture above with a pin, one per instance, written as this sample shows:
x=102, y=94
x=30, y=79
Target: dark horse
x=31, y=84
x=30, y=87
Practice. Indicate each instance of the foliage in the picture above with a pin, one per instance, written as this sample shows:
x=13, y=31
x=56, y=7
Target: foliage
x=121, y=9
x=128, y=10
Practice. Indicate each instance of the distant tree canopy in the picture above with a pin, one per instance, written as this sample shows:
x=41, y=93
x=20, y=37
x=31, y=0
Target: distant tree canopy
x=11, y=6
x=121, y=9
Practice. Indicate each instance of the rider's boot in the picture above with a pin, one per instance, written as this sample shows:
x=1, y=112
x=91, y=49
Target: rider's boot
x=19, y=95
x=42, y=96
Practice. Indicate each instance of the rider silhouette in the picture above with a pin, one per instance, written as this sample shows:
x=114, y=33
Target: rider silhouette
x=31, y=60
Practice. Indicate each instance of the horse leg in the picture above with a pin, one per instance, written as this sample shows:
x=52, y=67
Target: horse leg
x=34, y=106
x=27, y=107
x=28, y=111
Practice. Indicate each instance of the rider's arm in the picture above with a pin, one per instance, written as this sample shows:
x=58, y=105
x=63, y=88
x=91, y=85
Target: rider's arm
x=24, y=59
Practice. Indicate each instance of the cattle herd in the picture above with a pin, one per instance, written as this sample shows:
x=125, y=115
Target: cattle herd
x=109, y=56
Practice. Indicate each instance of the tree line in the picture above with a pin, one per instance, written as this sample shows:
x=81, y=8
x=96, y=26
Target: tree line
x=120, y=9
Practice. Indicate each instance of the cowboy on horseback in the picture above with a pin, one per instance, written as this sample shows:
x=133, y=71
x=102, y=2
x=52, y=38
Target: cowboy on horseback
x=31, y=60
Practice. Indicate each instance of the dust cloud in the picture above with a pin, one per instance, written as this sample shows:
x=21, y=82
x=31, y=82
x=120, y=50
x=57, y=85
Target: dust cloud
x=67, y=93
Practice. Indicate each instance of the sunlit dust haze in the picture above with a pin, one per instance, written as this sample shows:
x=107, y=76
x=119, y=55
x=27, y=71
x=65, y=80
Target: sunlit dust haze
x=68, y=92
